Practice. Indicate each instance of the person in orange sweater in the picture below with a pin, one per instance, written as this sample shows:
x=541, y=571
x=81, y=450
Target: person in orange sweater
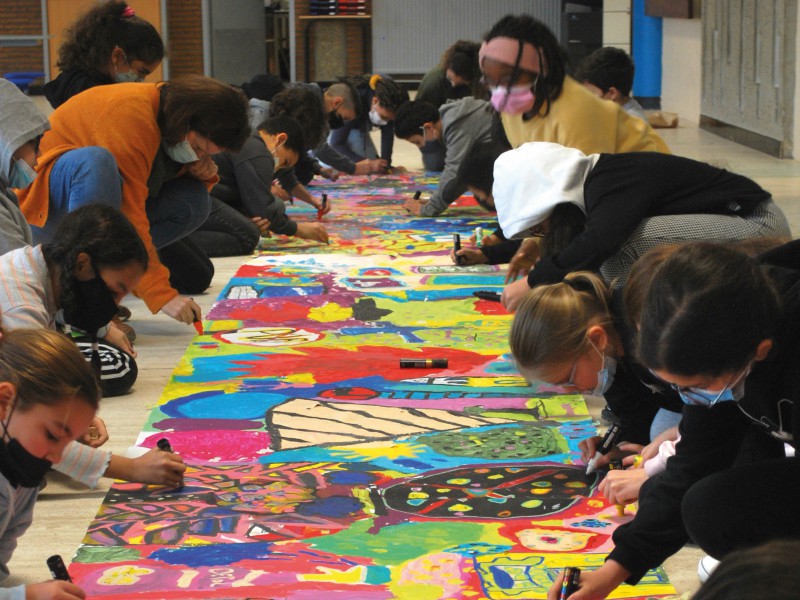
x=143, y=148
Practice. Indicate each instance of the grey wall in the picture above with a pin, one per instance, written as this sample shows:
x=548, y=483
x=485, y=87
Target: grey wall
x=409, y=36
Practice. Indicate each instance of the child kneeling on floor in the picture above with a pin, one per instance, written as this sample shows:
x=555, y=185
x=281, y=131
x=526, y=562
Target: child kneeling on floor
x=48, y=396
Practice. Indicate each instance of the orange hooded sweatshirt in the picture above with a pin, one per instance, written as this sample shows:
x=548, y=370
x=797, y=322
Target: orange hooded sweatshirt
x=121, y=118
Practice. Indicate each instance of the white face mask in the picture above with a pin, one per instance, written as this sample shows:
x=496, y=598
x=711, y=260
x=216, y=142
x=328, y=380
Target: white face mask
x=276, y=159
x=129, y=76
x=182, y=152
x=376, y=118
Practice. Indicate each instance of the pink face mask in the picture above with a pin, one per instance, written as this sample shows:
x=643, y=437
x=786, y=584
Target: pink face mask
x=517, y=100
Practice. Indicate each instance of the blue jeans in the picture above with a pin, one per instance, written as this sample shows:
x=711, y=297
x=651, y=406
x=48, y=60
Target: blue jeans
x=79, y=177
x=90, y=175
x=182, y=205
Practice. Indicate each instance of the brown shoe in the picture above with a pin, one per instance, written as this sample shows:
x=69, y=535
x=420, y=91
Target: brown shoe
x=123, y=313
x=125, y=328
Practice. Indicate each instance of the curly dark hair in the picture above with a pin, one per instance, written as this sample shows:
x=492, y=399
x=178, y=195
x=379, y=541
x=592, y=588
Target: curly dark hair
x=92, y=38
x=410, y=118
x=304, y=107
x=462, y=59
x=102, y=232
x=213, y=109
x=289, y=126
x=532, y=31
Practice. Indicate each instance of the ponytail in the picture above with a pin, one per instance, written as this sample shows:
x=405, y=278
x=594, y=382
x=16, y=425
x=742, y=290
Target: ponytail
x=549, y=327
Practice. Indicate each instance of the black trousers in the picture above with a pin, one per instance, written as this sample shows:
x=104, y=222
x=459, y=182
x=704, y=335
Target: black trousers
x=744, y=506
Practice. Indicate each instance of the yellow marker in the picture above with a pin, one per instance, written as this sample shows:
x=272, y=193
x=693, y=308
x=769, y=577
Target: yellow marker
x=620, y=510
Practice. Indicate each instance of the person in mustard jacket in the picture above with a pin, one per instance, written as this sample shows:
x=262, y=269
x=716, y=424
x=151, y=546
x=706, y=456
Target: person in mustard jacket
x=145, y=149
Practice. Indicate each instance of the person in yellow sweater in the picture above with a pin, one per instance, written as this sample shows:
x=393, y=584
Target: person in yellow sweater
x=145, y=149
x=525, y=69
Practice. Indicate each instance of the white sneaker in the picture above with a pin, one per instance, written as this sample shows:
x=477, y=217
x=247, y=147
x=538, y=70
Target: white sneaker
x=705, y=567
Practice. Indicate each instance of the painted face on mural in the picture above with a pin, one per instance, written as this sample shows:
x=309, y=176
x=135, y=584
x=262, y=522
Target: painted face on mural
x=554, y=540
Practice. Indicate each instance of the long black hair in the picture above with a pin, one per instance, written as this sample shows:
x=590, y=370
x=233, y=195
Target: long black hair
x=102, y=232
x=706, y=311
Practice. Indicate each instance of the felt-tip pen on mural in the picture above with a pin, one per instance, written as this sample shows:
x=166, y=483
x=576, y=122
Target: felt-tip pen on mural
x=58, y=569
x=569, y=585
x=164, y=445
x=609, y=439
x=422, y=363
x=417, y=194
x=487, y=295
x=323, y=206
x=198, y=325
x=456, y=248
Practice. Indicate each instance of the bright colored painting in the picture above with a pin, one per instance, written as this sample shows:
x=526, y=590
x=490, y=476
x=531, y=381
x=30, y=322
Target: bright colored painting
x=319, y=468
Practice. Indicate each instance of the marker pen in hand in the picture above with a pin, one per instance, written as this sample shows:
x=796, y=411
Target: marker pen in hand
x=321, y=210
x=58, y=569
x=417, y=194
x=609, y=439
x=479, y=237
x=456, y=248
x=164, y=445
x=569, y=585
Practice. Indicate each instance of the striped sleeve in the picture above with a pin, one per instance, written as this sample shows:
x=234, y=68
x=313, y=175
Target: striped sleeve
x=84, y=463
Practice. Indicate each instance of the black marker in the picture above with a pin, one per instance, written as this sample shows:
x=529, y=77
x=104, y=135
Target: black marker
x=164, y=445
x=487, y=295
x=456, y=248
x=58, y=569
x=609, y=439
x=417, y=194
x=572, y=575
x=422, y=363
x=321, y=210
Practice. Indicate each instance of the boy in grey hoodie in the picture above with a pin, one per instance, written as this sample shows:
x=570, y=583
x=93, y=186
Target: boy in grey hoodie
x=21, y=126
x=457, y=126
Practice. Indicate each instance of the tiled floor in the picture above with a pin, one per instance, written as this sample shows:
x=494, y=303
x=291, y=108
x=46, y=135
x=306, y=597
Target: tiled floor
x=65, y=509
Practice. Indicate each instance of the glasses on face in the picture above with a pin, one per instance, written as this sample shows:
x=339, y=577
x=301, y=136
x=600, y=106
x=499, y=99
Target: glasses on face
x=571, y=381
x=695, y=396
x=506, y=81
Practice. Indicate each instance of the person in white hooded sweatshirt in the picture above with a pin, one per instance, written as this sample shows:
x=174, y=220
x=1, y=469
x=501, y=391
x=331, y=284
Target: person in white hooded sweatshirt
x=21, y=128
x=602, y=211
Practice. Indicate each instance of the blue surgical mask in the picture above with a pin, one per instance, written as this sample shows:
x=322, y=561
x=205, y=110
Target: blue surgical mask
x=708, y=398
x=605, y=376
x=733, y=392
x=182, y=152
x=22, y=174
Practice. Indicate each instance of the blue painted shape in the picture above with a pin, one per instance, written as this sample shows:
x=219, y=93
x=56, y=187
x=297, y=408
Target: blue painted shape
x=503, y=580
x=238, y=405
x=212, y=555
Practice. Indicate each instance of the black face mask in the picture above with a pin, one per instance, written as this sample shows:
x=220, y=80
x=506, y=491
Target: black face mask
x=21, y=467
x=335, y=121
x=93, y=307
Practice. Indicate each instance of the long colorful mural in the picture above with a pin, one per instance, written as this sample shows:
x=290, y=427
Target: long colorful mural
x=319, y=468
